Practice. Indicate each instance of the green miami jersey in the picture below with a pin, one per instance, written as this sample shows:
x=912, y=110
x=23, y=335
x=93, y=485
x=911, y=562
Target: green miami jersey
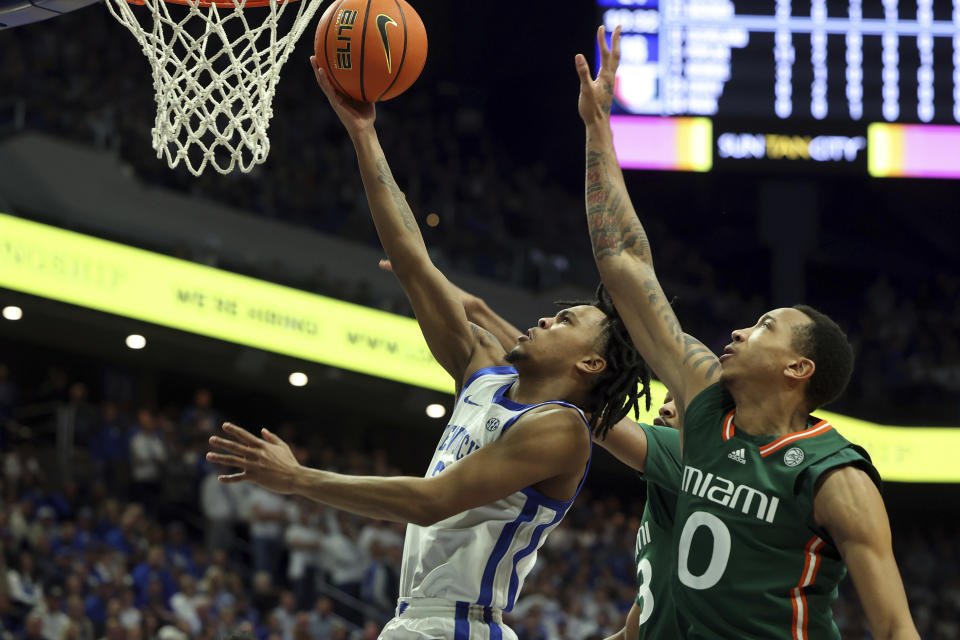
x=751, y=561
x=655, y=556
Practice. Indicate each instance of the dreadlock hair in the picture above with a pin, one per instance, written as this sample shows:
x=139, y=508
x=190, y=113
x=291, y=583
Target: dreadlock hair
x=823, y=341
x=618, y=388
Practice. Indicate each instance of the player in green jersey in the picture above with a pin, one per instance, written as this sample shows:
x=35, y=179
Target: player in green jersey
x=654, y=451
x=773, y=502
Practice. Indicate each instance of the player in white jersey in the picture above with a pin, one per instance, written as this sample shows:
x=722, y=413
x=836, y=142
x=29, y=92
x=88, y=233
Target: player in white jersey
x=652, y=450
x=517, y=448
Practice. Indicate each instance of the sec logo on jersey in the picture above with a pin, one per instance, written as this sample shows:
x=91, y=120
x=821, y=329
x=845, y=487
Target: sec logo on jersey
x=492, y=424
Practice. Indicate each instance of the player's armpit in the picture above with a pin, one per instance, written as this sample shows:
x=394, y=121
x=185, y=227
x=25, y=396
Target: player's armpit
x=627, y=442
x=848, y=506
x=547, y=449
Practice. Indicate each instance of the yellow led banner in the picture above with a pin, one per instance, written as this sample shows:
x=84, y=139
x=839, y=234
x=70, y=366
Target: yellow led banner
x=111, y=277
x=901, y=454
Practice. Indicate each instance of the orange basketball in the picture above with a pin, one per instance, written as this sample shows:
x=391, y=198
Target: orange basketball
x=372, y=50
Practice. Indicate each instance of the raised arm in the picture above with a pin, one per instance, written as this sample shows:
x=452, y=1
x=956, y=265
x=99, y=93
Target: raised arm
x=452, y=339
x=538, y=448
x=848, y=505
x=621, y=248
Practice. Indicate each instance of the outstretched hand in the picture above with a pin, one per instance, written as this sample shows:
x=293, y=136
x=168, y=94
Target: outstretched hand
x=355, y=115
x=266, y=461
x=596, y=95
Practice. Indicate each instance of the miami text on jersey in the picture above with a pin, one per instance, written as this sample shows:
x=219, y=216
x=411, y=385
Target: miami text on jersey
x=728, y=494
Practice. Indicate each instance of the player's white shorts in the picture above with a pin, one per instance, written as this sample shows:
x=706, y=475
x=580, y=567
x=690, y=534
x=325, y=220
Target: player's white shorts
x=430, y=619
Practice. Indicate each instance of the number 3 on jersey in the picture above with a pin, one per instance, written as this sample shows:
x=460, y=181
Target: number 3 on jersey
x=719, y=554
x=645, y=595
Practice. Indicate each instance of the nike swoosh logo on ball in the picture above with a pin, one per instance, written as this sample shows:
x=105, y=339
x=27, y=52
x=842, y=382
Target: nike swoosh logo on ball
x=382, y=21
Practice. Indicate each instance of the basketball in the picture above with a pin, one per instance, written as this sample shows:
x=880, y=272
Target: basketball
x=372, y=50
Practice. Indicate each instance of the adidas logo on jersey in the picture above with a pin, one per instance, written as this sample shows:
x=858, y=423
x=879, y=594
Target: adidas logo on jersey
x=740, y=455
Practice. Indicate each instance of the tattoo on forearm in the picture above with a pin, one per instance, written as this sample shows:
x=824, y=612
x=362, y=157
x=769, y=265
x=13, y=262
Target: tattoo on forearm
x=614, y=227
x=482, y=334
x=693, y=347
x=695, y=353
x=663, y=309
x=386, y=178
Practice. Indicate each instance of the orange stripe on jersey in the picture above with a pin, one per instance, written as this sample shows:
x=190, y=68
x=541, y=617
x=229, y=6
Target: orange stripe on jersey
x=821, y=427
x=728, y=425
x=798, y=598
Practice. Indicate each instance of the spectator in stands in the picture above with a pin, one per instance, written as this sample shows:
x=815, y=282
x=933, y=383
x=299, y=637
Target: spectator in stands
x=25, y=586
x=323, y=619
x=9, y=622
x=114, y=630
x=43, y=525
x=382, y=544
x=369, y=631
x=84, y=535
x=33, y=629
x=50, y=611
x=221, y=505
x=79, y=412
x=125, y=609
x=201, y=419
x=264, y=598
x=274, y=626
x=343, y=560
x=531, y=626
x=95, y=604
x=110, y=448
x=286, y=614
x=268, y=519
x=177, y=548
x=153, y=569
x=148, y=453
x=303, y=541
x=78, y=619
x=16, y=464
x=301, y=627
x=186, y=601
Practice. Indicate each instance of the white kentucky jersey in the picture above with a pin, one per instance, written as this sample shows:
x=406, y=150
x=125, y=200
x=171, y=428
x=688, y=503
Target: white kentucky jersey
x=480, y=556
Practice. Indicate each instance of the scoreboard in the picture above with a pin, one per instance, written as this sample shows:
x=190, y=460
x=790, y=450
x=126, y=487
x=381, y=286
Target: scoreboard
x=856, y=85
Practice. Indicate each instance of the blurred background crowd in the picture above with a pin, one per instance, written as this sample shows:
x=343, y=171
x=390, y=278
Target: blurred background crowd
x=128, y=534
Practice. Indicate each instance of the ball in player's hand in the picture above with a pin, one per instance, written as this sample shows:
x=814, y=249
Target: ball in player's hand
x=372, y=50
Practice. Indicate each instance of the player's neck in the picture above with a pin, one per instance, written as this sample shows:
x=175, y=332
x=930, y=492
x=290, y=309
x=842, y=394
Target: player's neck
x=762, y=413
x=531, y=389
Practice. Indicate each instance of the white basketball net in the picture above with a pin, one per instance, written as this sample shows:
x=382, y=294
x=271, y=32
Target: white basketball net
x=214, y=75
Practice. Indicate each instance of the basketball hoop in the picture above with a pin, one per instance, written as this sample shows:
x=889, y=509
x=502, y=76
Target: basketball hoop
x=215, y=71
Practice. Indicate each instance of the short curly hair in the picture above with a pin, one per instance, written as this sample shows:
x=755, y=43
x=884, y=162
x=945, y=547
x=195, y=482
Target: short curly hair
x=618, y=389
x=823, y=341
